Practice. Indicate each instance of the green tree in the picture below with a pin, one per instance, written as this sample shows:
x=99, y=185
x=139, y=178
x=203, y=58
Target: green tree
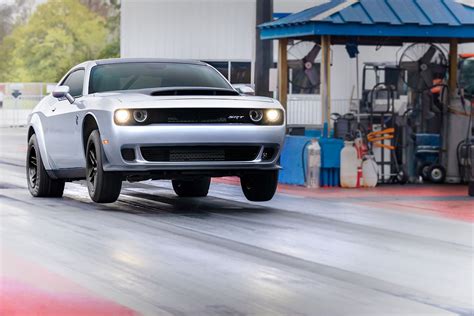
x=110, y=10
x=58, y=35
x=13, y=14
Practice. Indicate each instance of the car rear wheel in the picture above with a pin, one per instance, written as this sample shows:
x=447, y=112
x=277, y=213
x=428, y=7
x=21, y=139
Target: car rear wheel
x=104, y=187
x=261, y=186
x=40, y=184
x=192, y=188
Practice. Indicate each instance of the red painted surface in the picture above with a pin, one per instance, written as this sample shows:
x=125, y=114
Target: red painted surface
x=429, y=198
x=27, y=289
x=18, y=298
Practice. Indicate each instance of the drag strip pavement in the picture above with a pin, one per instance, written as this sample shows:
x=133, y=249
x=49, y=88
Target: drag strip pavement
x=221, y=255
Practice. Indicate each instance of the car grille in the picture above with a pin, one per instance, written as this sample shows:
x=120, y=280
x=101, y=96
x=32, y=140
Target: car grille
x=200, y=153
x=199, y=116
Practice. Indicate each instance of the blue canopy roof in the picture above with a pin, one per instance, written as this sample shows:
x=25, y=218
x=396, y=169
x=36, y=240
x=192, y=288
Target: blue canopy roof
x=441, y=19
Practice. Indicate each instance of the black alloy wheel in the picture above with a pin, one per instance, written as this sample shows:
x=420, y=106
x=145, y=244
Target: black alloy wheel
x=40, y=184
x=103, y=186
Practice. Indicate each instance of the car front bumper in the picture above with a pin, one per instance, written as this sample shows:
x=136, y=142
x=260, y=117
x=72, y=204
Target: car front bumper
x=136, y=137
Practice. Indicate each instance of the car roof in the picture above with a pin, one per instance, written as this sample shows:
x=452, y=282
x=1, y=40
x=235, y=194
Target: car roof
x=147, y=60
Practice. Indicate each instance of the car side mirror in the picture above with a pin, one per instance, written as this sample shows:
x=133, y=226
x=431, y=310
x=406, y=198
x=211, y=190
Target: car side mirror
x=63, y=92
x=244, y=89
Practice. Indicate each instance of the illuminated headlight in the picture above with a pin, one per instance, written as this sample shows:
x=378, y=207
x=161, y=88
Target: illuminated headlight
x=272, y=116
x=140, y=115
x=122, y=116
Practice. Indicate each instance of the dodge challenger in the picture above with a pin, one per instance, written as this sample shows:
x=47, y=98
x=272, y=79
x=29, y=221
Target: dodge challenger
x=115, y=120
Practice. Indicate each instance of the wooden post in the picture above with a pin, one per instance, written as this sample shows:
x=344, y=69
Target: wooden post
x=453, y=66
x=282, y=71
x=325, y=88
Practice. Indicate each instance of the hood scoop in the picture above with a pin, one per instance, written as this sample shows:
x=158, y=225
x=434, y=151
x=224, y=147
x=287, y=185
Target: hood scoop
x=191, y=91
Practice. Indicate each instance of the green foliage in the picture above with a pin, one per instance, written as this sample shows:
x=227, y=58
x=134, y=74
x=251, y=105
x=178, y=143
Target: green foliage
x=59, y=35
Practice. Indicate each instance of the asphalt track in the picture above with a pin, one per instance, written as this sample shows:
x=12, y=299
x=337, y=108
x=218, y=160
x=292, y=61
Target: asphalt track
x=392, y=251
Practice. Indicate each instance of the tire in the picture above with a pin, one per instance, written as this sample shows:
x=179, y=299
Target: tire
x=261, y=186
x=402, y=177
x=192, y=188
x=437, y=174
x=424, y=171
x=104, y=187
x=40, y=184
x=471, y=188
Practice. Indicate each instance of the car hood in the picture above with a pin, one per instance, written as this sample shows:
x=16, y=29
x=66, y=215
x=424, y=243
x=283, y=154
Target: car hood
x=138, y=100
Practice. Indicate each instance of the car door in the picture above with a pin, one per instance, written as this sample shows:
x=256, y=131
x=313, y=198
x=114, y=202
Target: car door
x=63, y=133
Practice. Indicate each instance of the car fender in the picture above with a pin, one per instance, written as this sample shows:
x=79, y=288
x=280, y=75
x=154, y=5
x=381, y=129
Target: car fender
x=103, y=121
x=36, y=123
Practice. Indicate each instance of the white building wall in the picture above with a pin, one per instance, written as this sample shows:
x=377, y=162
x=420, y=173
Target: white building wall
x=197, y=29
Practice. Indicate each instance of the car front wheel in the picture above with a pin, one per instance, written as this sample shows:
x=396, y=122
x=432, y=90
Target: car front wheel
x=104, y=187
x=40, y=184
x=192, y=188
x=261, y=186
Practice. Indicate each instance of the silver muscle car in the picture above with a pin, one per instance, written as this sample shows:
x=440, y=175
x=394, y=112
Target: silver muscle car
x=138, y=119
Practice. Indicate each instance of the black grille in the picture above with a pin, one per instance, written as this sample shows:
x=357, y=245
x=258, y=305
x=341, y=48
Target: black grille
x=200, y=153
x=199, y=115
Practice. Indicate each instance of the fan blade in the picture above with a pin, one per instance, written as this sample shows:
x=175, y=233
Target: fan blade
x=428, y=56
x=311, y=74
x=313, y=53
x=427, y=79
x=410, y=66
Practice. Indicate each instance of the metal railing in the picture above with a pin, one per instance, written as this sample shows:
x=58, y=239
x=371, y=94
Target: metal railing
x=14, y=112
x=306, y=110
x=303, y=110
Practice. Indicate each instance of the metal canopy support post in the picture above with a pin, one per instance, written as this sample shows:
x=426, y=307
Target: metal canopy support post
x=453, y=66
x=452, y=89
x=282, y=71
x=263, y=50
x=326, y=83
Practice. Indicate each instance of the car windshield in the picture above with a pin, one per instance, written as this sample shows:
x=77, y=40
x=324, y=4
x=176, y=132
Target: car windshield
x=145, y=75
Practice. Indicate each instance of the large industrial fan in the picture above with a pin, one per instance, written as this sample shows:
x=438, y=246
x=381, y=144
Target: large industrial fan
x=304, y=71
x=423, y=65
x=424, y=68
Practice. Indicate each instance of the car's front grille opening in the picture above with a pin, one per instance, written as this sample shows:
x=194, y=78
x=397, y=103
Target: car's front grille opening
x=200, y=153
x=128, y=154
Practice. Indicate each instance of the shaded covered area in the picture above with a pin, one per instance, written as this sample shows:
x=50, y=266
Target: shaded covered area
x=425, y=73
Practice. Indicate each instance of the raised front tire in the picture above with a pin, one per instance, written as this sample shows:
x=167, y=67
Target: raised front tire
x=192, y=188
x=40, y=184
x=259, y=186
x=104, y=187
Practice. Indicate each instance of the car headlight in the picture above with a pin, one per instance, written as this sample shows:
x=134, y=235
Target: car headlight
x=272, y=116
x=122, y=116
x=140, y=115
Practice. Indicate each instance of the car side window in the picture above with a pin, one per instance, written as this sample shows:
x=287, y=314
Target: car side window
x=75, y=82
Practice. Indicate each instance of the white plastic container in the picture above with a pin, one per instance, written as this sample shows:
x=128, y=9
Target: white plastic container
x=349, y=165
x=313, y=164
x=370, y=172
